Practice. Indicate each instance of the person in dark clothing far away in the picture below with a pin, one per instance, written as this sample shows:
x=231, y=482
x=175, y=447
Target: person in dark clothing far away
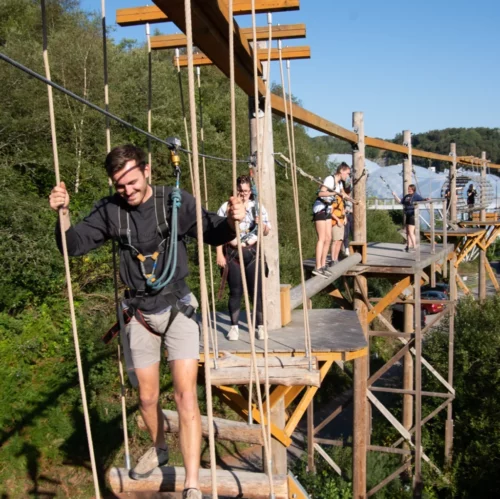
x=138, y=216
x=471, y=199
x=409, y=214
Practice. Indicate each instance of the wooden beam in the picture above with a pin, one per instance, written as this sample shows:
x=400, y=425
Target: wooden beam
x=210, y=23
x=303, y=52
x=280, y=32
x=229, y=483
x=134, y=16
x=388, y=298
x=224, y=429
x=286, y=376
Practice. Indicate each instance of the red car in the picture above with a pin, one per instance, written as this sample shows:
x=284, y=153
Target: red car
x=432, y=308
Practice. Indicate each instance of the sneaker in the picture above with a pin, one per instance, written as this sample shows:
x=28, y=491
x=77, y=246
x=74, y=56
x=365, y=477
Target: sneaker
x=233, y=335
x=326, y=271
x=261, y=333
x=192, y=494
x=152, y=459
x=407, y=249
x=347, y=252
x=412, y=249
x=320, y=272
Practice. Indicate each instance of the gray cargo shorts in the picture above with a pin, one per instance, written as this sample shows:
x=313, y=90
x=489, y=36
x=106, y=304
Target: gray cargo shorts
x=182, y=340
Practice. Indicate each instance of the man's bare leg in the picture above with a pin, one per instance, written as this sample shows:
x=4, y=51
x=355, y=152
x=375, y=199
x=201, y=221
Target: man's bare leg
x=149, y=393
x=184, y=373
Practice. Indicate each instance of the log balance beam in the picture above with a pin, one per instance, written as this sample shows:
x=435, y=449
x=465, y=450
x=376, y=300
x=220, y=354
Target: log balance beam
x=229, y=483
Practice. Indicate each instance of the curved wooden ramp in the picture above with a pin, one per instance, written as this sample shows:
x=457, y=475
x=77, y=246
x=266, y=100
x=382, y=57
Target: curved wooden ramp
x=229, y=483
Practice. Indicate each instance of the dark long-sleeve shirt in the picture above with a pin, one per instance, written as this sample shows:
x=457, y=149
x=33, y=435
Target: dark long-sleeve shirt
x=103, y=223
x=407, y=202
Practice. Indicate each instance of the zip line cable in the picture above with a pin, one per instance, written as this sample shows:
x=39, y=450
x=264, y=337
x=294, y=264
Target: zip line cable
x=123, y=337
x=66, y=257
x=112, y=116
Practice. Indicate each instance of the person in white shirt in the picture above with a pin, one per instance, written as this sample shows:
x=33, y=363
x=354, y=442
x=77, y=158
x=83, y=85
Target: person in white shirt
x=322, y=216
x=227, y=258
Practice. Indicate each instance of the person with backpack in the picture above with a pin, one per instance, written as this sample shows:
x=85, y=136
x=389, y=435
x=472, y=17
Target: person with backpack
x=322, y=216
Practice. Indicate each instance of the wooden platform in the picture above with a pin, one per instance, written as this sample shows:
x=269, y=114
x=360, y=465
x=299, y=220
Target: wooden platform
x=390, y=258
x=460, y=232
x=486, y=223
x=333, y=331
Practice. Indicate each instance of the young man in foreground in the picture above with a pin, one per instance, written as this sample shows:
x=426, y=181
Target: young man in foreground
x=138, y=215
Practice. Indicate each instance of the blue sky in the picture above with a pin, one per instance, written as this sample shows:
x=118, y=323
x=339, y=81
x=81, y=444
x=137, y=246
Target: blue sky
x=407, y=65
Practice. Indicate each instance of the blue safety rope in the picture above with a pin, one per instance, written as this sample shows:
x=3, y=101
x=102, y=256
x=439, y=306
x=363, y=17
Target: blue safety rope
x=171, y=264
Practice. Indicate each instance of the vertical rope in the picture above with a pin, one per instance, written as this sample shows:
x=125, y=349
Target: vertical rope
x=184, y=117
x=199, y=229
x=150, y=97
x=267, y=442
x=213, y=322
x=307, y=331
x=65, y=256
x=285, y=106
x=113, y=242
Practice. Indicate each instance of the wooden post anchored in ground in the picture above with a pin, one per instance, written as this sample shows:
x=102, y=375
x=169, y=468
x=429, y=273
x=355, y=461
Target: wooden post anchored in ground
x=452, y=184
x=361, y=364
x=267, y=196
x=448, y=437
x=482, y=253
x=417, y=478
x=409, y=321
x=409, y=315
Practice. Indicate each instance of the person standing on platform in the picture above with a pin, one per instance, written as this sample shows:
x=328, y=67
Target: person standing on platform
x=409, y=214
x=139, y=217
x=322, y=216
x=471, y=200
x=228, y=259
x=349, y=221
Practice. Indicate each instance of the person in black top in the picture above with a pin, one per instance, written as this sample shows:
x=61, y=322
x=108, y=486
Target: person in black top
x=409, y=214
x=138, y=216
x=471, y=199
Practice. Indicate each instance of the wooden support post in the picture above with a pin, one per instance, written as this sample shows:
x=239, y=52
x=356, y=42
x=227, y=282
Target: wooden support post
x=360, y=290
x=407, y=162
x=267, y=196
x=311, y=467
x=286, y=309
x=278, y=450
x=444, y=265
x=448, y=438
x=409, y=321
x=417, y=478
x=453, y=183
x=482, y=252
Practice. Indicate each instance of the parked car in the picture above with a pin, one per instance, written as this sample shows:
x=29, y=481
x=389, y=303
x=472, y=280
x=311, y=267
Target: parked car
x=433, y=294
x=443, y=287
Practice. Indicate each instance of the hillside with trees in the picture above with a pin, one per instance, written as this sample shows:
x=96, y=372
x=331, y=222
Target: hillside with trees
x=43, y=448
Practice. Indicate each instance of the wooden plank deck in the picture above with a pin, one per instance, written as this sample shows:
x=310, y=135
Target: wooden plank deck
x=460, y=232
x=391, y=258
x=486, y=223
x=332, y=331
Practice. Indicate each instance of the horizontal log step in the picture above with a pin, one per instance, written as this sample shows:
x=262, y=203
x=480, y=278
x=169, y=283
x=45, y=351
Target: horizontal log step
x=286, y=376
x=225, y=429
x=227, y=359
x=229, y=483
